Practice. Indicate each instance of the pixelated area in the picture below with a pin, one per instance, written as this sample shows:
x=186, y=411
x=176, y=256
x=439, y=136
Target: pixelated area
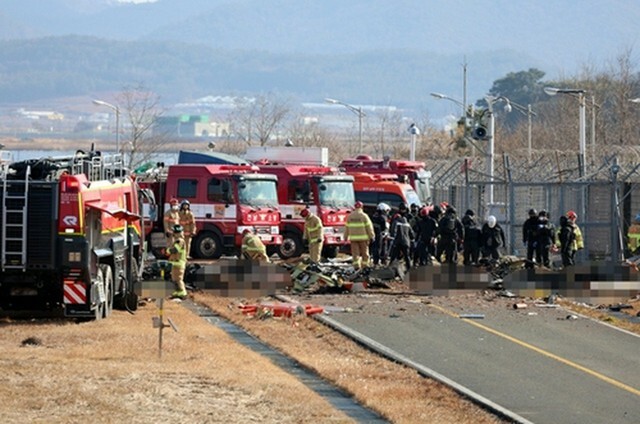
x=448, y=279
x=591, y=283
x=156, y=289
x=241, y=278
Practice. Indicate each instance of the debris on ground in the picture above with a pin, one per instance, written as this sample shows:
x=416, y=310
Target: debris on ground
x=274, y=310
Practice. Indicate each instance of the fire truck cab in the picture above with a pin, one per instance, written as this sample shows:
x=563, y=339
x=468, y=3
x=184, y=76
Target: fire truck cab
x=372, y=189
x=71, y=236
x=326, y=192
x=412, y=172
x=225, y=200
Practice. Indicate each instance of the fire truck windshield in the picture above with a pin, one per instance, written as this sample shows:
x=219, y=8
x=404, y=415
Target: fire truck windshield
x=412, y=197
x=422, y=186
x=258, y=193
x=337, y=194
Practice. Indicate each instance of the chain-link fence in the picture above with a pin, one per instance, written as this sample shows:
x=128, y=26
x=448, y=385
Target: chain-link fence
x=606, y=198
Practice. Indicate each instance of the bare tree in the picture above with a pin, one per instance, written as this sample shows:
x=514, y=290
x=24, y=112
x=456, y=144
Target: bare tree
x=141, y=110
x=304, y=131
x=259, y=118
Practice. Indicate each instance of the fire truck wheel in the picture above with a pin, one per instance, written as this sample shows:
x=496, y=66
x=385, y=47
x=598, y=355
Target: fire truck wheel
x=108, y=290
x=291, y=246
x=208, y=245
x=126, y=298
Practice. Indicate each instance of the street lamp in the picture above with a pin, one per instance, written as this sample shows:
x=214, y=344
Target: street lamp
x=465, y=112
x=358, y=111
x=551, y=91
x=414, y=131
x=116, y=109
x=525, y=111
x=491, y=136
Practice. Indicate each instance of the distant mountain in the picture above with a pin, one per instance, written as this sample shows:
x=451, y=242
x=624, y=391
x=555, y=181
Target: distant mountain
x=376, y=51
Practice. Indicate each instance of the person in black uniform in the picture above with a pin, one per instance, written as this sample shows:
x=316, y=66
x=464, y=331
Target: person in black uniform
x=472, y=238
x=529, y=231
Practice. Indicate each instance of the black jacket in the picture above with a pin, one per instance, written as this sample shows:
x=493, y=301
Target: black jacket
x=472, y=231
x=529, y=229
x=492, y=237
x=403, y=233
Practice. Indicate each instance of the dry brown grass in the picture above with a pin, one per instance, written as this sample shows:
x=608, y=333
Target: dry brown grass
x=395, y=391
x=109, y=371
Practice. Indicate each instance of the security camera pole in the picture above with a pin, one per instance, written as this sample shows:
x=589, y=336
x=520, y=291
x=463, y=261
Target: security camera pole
x=414, y=131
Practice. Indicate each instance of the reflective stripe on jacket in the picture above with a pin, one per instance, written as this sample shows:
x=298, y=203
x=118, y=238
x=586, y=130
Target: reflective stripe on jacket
x=188, y=222
x=312, y=228
x=178, y=253
x=359, y=226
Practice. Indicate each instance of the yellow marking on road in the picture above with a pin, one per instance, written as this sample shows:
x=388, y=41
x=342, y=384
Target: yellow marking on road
x=572, y=364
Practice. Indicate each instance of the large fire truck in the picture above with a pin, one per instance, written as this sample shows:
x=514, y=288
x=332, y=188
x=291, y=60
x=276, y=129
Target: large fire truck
x=411, y=172
x=326, y=192
x=225, y=200
x=71, y=236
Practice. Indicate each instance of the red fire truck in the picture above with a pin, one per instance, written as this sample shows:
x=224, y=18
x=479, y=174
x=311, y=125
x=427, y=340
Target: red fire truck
x=225, y=200
x=71, y=236
x=412, y=172
x=326, y=192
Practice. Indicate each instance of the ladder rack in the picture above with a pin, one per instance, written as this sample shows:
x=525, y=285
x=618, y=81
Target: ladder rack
x=14, y=224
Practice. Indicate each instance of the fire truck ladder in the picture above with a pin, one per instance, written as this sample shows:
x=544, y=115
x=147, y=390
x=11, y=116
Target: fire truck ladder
x=14, y=229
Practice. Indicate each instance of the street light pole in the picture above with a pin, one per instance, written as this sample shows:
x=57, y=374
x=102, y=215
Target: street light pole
x=356, y=110
x=551, y=91
x=116, y=109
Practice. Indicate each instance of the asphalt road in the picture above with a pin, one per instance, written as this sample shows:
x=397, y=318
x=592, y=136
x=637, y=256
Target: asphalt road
x=534, y=362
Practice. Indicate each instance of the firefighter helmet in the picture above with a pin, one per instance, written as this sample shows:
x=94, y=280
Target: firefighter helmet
x=304, y=213
x=383, y=207
x=491, y=221
x=185, y=202
x=533, y=212
x=177, y=228
x=572, y=215
x=173, y=201
x=358, y=205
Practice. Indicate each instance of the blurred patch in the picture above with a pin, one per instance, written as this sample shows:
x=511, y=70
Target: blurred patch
x=595, y=282
x=240, y=278
x=448, y=279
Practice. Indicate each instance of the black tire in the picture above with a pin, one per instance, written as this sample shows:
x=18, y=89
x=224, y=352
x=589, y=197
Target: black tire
x=291, y=246
x=126, y=296
x=108, y=290
x=208, y=246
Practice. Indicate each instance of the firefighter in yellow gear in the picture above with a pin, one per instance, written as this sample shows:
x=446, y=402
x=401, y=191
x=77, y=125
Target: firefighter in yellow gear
x=578, y=241
x=188, y=222
x=633, y=236
x=171, y=219
x=313, y=233
x=252, y=247
x=178, y=261
x=359, y=232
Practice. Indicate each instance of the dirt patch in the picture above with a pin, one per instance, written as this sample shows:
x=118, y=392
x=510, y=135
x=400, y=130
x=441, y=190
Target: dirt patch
x=110, y=371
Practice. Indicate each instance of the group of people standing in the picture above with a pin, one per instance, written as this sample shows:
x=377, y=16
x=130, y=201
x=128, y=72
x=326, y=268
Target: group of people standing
x=541, y=238
x=418, y=235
